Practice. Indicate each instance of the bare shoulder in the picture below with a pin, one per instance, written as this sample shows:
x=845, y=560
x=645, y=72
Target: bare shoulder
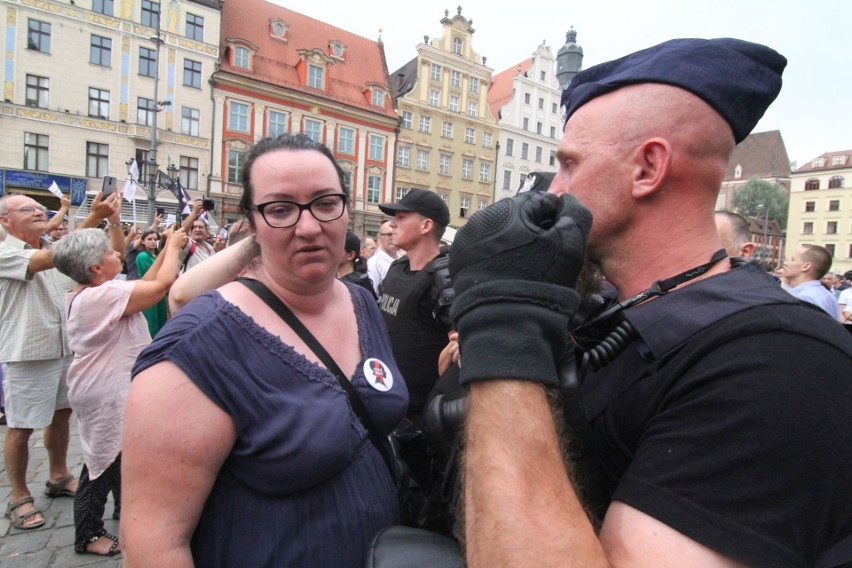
x=633, y=538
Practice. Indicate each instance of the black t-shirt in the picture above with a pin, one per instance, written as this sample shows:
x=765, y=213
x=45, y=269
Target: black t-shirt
x=728, y=419
x=417, y=337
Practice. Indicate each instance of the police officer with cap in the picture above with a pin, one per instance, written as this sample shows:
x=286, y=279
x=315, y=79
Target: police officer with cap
x=714, y=426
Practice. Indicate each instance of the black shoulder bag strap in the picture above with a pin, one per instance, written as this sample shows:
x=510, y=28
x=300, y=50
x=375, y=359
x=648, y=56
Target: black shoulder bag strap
x=296, y=325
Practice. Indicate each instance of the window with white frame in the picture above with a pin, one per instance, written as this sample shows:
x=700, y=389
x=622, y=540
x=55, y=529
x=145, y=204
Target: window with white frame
x=104, y=7
x=527, y=98
x=422, y=159
x=38, y=91
x=455, y=78
x=443, y=197
x=378, y=98
x=834, y=205
x=194, y=27
x=510, y=146
x=436, y=72
x=464, y=207
x=553, y=108
x=507, y=179
x=471, y=108
x=189, y=172
x=552, y=160
x=444, y=164
x=457, y=45
x=346, y=140
x=190, y=119
x=400, y=193
x=192, y=73
x=277, y=123
x=316, y=77
x=406, y=119
x=150, y=14
x=377, y=148
x=425, y=123
x=242, y=57
x=313, y=130
x=147, y=62
x=541, y=103
x=485, y=172
x=374, y=188
x=403, y=156
x=486, y=139
x=434, y=97
x=238, y=116
x=553, y=132
x=98, y=103
x=145, y=111
x=347, y=180
x=526, y=123
x=97, y=159
x=835, y=182
x=538, y=154
x=469, y=135
x=467, y=168
x=474, y=84
x=831, y=227
x=482, y=204
x=100, y=51
x=454, y=103
x=236, y=162
x=35, y=151
x=808, y=228
x=447, y=129
x=538, y=127
x=525, y=151
x=38, y=36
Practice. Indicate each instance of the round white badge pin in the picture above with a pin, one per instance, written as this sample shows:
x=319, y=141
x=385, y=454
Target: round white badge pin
x=378, y=375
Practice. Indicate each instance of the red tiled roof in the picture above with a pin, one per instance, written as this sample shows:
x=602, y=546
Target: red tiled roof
x=362, y=65
x=761, y=155
x=828, y=159
x=500, y=90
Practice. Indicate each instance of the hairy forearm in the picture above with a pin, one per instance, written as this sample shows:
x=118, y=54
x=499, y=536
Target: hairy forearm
x=520, y=506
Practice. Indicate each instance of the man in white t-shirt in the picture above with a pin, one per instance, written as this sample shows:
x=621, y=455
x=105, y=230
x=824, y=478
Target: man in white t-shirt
x=378, y=264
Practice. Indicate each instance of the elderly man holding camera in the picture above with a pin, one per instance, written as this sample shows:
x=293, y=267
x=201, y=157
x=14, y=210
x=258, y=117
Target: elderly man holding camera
x=34, y=347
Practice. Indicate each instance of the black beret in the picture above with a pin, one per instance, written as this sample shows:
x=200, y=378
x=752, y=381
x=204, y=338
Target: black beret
x=737, y=78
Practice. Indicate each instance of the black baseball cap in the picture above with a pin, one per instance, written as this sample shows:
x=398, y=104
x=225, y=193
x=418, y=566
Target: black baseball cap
x=427, y=203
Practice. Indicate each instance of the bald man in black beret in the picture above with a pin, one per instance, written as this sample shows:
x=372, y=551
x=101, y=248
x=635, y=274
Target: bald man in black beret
x=712, y=425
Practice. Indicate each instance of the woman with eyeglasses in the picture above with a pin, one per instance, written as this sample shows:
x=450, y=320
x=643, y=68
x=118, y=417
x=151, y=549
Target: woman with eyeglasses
x=260, y=459
x=157, y=314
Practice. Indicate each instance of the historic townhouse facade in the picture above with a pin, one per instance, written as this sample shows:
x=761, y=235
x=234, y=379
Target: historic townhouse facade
x=84, y=82
x=821, y=207
x=447, y=136
x=283, y=72
x=525, y=99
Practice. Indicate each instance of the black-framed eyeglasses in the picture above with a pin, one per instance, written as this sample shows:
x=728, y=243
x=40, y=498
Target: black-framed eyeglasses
x=284, y=213
x=29, y=209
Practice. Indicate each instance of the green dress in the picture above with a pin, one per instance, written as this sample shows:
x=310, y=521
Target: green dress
x=158, y=313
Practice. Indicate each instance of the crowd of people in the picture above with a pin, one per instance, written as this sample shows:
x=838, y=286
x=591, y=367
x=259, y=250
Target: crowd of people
x=237, y=395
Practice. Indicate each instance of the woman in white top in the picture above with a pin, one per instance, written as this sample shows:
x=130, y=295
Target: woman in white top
x=106, y=331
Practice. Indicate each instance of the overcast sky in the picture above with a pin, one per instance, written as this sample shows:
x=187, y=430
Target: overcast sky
x=813, y=111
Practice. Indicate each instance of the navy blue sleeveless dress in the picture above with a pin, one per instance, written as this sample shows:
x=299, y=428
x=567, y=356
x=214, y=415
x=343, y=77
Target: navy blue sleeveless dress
x=303, y=485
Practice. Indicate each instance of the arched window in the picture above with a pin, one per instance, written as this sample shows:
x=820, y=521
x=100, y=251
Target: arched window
x=835, y=182
x=812, y=184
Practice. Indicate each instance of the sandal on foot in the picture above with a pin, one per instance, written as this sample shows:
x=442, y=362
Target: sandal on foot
x=84, y=549
x=18, y=519
x=60, y=488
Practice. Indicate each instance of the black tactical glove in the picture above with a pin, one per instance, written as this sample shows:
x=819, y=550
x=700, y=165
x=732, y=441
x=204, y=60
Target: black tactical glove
x=514, y=266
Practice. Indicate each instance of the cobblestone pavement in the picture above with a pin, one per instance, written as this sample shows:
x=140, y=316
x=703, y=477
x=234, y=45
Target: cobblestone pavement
x=50, y=545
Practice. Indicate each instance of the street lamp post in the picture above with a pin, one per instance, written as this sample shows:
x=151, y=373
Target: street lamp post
x=765, y=230
x=151, y=167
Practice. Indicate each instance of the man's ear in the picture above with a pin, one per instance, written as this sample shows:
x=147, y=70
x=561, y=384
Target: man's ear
x=651, y=166
x=747, y=250
x=427, y=225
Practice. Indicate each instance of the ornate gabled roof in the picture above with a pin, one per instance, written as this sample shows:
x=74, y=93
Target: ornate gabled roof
x=500, y=90
x=284, y=37
x=828, y=161
x=761, y=155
